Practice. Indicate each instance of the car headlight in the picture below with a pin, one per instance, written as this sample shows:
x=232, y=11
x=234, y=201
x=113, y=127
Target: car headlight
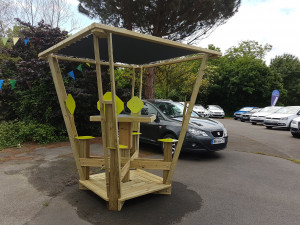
x=284, y=118
x=197, y=132
x=294, y=122
x=225, y=134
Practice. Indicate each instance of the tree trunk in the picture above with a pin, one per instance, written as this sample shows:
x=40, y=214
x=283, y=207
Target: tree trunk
x=149, y=83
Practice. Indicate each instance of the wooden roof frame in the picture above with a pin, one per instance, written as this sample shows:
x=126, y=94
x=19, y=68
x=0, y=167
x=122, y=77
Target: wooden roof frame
x=101, y=30
x=114, y=186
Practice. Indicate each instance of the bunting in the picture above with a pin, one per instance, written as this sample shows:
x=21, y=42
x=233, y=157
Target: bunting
x=15, y=40
x=12, y=83
x=4, y=40
x=71, y=74
x=26, y=41
x=79, y=68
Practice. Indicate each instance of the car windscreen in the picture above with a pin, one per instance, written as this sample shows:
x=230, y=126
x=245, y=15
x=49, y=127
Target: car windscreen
x=255, y=110
x=270, y=109
x=199, y=107
x=246, y=109
x=289, y=110
x=214, y=107
x=172, y=109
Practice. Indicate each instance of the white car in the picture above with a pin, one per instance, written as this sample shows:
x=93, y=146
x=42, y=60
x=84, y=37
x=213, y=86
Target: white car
x=283, y=117
x=259, y=117
x=201, y=111
x=215, y=111
x=295, y=127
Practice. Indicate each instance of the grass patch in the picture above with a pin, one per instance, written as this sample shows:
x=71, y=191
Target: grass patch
x=277, y=156
x=46, y=204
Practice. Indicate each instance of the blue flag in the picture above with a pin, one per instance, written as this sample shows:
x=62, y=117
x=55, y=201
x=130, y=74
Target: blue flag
x=71, y=74
x=1, y=82
x=26, y=41
x=274, y=98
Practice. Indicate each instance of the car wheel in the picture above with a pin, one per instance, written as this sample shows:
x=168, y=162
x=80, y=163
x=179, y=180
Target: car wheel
x=235, y=118
x=253, y=123
x=174, y=144
x=296, y=135
x=269, y=127
x=242, y=120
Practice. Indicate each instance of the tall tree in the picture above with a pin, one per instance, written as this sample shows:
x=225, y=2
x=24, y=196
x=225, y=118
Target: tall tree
x=55, y=13
x=6, y=15
x=243, y=78
x=288, y=66
x=173, y=19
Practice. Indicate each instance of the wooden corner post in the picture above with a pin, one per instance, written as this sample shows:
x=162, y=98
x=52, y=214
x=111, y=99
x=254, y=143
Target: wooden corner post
x=187, y=117
x=115, y=162
x=100, y=95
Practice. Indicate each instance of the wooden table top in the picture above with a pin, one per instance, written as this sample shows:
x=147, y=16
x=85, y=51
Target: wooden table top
x=128, y=118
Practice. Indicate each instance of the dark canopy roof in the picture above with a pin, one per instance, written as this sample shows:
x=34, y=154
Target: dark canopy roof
x=128, y=47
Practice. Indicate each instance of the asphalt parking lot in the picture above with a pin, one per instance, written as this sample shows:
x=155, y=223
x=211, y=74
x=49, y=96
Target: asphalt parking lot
x=251, y=182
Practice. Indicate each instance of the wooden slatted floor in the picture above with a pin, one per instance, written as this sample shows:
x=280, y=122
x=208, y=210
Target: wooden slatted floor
x=141, y=183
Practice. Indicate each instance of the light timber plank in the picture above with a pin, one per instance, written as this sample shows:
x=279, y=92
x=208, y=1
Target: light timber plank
x=133, y=82
x=173, y=61
x=150, y=164
x=102, y=63
x=101, y=192
x=115, y=159
x=187, y=119
x=100, y=95
x=123, y=118
x=69, y=120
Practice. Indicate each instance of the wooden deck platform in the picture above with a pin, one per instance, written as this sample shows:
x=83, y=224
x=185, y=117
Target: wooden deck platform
x=141, y=183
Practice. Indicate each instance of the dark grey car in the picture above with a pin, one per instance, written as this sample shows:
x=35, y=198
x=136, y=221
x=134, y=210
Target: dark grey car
x=202, y=134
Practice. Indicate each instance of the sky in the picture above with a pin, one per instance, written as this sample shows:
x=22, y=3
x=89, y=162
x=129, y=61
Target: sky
x=276, y=22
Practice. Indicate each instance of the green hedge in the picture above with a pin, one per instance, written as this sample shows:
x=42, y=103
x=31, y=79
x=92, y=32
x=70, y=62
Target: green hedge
x=16, y=132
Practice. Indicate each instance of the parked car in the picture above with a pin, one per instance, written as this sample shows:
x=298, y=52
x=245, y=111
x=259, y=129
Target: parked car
x=237, y=114
x=295, y=127
x=259, y=117
x=202, y=134
x=246, y=116
x=215, y=111
x=283, y=117
x=201, y=111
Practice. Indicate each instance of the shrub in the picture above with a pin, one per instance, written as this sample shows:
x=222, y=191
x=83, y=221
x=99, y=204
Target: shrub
x=17, y=132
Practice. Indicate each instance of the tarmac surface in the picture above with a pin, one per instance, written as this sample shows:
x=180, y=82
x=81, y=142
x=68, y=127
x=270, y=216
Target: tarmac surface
x=233, y=186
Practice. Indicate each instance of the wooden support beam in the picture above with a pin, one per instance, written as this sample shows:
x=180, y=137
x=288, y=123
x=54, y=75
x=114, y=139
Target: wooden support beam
x=102, y=63
x=93, y=162
x=100, y=96
x=133, y=82
x=115, y=162
x=84, y=152
x=173, y=61
x=185, y=122
x=141, y=83
x=68, y=118
x=151, y=164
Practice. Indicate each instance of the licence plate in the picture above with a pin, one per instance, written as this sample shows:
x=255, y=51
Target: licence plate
x=218, y=141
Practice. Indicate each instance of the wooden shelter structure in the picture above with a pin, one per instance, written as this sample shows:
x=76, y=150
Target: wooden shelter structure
x=125, y=176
